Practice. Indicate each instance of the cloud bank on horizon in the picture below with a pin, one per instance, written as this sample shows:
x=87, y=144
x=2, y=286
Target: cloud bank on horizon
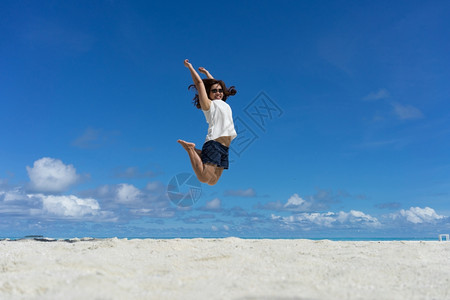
x=44, y=199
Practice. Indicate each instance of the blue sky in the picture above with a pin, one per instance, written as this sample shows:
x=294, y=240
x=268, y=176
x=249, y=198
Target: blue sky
x=351, y=140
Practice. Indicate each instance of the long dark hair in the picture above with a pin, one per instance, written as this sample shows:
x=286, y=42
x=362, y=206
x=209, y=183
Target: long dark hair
x=208, y=84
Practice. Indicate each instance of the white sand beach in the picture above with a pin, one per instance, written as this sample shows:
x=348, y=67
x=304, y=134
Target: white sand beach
x=228, y=268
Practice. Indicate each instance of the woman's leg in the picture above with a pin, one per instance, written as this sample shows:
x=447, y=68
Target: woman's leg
x=205, y=173
x=217, y=172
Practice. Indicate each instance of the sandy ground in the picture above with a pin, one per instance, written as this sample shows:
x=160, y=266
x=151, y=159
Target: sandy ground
x=224, y=269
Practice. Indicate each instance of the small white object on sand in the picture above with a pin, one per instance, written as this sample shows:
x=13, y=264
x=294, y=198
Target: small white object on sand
x=228, y=268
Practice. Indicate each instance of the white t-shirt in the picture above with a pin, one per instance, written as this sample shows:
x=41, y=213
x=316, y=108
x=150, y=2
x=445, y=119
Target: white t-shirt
x=220, y=120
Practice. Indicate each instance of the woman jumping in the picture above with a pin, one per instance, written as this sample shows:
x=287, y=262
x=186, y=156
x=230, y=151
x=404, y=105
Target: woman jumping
x=209, y=163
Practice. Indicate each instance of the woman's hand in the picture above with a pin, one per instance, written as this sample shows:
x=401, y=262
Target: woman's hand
x=187, y=64
x=203, y=70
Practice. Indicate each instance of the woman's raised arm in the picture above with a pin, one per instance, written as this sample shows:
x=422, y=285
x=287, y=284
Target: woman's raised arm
x=204, y=71
x=205, y=103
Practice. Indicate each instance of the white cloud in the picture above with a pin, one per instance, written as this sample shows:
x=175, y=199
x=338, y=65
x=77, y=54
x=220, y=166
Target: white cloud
x=13, y=195
x=417, y=215
x=330, y=219
x=295, y=202
x=380, y=94
x=406, y=112
x=154, y=213
x=127, y=193
x=152, y=197
x=355, y=217
x=14, y=202
x=68, y=206
x=51, y=175
x=214, y=204
x=321, y=219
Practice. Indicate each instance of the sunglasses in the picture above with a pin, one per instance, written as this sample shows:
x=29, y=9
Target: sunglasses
x=217, y=90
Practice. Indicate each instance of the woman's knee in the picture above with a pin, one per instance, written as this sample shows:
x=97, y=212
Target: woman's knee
x=207, y=178
x=213, y=181
x=203, y=179
x=210, y=179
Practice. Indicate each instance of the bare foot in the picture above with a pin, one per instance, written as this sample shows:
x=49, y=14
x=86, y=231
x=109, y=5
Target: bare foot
x=187, y=146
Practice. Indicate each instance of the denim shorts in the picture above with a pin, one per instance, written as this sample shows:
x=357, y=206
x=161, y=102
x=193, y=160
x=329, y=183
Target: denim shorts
x=215, y=153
